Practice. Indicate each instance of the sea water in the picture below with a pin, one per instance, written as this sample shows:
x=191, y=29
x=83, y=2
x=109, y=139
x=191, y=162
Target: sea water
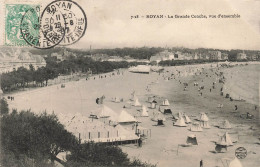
x=243, y=82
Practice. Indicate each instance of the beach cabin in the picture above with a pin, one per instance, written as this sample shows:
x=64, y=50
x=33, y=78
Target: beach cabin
x=225, y=140
x=195, y=127
x=204, y=121
x=165, y=102
x=144, y=112
x=192, y=140
x=153, y=104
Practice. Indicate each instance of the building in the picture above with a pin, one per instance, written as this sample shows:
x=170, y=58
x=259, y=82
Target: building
x=115, y=58
x=214, y=55
x=179, y=56
x=58, y=56
x=12, y=59
x=241, y=56
x=162, y=56
x=253, y=57
x=187, y=56
x=63, y=55
x=224, y=56
x=195, y=56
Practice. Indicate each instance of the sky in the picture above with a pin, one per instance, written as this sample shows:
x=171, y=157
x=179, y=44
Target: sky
x=110, y=24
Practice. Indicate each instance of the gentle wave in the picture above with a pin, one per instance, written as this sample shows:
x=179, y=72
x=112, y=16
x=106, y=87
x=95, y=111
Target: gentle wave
x=242, y=82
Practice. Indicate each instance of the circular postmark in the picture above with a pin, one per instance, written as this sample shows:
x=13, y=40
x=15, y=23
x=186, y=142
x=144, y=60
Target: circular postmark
x=241, y=152
x=75, y=20
x=62, y=22
x=42, y=32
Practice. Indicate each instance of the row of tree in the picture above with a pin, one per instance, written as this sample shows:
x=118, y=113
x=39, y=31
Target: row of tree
x=186, y=62
x=23, y=77
x=147, y=52
x=30, y=140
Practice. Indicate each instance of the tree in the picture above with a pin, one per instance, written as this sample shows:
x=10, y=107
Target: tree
x=39, y=137
x=3, y=106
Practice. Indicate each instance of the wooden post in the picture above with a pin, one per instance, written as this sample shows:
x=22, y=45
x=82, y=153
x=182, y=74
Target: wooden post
x=79, y=139
x=88, y=135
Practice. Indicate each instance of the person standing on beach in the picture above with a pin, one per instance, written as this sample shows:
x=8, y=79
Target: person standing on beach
x=201, y=163
x=140, y=142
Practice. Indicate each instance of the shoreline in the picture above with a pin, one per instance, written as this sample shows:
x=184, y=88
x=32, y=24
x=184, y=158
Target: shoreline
x=162, y=147
x=236, y=83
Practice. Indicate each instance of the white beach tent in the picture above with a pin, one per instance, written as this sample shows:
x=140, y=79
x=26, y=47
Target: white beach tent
x=225, y=125
x=195, y=127
x=186, y=118
x=106, y=112
x=203, y=117
x=235, y=163
x=137, y=103
x=179, y=115
x=180, y=122
x=117, y=99
x=158, y=116
x=144, y=112
x=125, y=117
x=165, y=102
x=225, y=140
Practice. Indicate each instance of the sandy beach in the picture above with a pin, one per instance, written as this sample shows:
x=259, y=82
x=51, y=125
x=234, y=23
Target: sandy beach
x=164, y=146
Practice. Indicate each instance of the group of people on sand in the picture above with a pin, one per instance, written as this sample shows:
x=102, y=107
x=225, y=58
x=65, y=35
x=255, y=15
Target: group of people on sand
x=11, y=98
x=110, y=75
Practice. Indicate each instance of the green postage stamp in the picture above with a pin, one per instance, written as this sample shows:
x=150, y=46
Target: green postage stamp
x=44, y=24
x=14, y=14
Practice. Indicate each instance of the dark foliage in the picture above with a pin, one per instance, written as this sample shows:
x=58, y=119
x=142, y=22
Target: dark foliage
x=34, y=140
x=3, y=106
x=186, y=62
x=23, y=77
x=91, y=155
x=26, y=137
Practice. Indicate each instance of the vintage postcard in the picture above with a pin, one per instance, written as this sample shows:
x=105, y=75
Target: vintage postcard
x=129, y=83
